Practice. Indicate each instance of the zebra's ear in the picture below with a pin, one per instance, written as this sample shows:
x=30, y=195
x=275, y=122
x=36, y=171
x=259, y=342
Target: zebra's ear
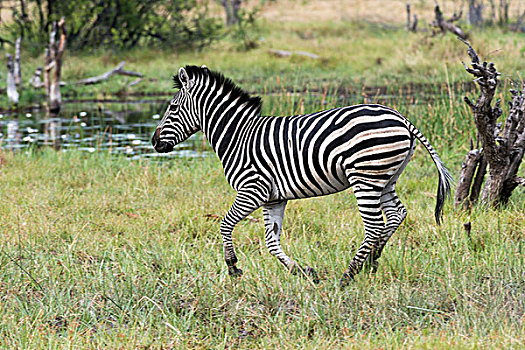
x=184, y=78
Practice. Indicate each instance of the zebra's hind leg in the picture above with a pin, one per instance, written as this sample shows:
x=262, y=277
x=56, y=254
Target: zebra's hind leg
x=273, y=214
x=395, y=213
x=368, y=201
x=244, y=204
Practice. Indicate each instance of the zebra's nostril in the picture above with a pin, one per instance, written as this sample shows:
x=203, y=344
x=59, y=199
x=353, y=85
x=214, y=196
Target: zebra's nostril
x=156, y=137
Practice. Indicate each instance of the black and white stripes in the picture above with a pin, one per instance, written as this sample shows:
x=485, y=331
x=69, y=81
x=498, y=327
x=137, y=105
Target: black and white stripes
x=270, y=160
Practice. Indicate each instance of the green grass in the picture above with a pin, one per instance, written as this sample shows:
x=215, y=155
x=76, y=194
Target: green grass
x=98, y=251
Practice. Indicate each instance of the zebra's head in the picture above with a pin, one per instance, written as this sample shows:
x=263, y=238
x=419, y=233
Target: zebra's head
x=180, y=120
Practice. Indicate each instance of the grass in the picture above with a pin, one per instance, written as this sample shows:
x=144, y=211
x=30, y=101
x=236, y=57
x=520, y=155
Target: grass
x=98, y=251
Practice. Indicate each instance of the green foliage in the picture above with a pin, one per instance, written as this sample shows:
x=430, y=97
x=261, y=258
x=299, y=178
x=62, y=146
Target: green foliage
x=120, y=23
x=245, y=32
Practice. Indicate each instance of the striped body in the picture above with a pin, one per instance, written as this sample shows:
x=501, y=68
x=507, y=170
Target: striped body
x=364, y=142
x=270, y=160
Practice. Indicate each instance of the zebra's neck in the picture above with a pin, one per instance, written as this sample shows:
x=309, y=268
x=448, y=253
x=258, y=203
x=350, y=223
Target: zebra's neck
x=226, y=115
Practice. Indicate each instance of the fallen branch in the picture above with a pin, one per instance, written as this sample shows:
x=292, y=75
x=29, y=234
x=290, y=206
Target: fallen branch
x=284, y=53
x=448, y=26
x=104, y=77
x=135, y=82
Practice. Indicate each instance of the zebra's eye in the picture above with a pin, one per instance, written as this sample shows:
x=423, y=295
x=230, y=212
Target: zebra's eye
x=173, y=108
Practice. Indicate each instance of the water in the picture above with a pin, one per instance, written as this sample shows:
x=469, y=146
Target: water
x=90, y=126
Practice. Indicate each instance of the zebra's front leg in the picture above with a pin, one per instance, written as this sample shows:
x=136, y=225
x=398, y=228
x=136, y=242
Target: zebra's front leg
x=368, y=202
x=273, y=214
x=244, y=204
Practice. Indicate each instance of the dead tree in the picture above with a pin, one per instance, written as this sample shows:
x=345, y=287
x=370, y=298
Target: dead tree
x=448, y=25
x=504, y=11
x=475, y=12
x=53, y=62
x=502, y=146
x=12, y=93
x=17, y=69
x=411, y=26
x=231, y=7
x=408, y=16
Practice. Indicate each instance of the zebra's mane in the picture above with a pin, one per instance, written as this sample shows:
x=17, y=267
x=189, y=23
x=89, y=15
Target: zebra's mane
x=220, y=80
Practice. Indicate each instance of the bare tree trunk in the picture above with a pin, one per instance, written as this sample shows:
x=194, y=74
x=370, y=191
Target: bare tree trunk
x=12, y=94
x=231, y=7
x=18, y=70
x=468, y=169
x=504, y=11
x=411, y=26
x=414, y=24
x=53, y=64
x=408, y=16
x=475, y=12
x=502, y=149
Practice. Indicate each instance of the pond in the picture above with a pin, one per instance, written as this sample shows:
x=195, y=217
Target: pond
x=120, y=127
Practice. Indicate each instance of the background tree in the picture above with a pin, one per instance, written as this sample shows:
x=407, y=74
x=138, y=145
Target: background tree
x=117, y=23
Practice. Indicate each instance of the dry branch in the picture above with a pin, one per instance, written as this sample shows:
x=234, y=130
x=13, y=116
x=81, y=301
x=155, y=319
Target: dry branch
x=448, y=26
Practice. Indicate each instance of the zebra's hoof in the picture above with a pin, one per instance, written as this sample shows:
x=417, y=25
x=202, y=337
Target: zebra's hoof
x=307, y=272
x=234, y=271
x=372, y=265
x=312, y=274
x=346, y=280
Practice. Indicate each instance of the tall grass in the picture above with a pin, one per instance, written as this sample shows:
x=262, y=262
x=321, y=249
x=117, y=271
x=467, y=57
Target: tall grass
x=98, y=251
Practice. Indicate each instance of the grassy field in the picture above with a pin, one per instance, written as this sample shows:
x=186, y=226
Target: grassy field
x=98, y=251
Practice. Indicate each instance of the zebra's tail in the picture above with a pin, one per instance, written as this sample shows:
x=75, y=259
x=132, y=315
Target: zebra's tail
x=445, y=179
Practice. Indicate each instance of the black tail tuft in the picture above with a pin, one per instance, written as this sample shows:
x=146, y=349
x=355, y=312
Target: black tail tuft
x=443, y=191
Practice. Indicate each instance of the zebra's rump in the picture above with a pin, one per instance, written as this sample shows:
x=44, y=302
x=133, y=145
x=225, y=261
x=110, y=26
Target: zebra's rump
x=318, y=154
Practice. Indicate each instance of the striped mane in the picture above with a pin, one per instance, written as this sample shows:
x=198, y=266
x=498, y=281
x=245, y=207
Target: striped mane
x=227, y=84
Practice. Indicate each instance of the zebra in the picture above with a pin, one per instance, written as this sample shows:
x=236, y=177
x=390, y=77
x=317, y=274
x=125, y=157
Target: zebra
x=271, y=160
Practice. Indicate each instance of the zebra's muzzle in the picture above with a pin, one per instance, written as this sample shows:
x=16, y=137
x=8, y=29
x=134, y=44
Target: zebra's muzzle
x=159, y=145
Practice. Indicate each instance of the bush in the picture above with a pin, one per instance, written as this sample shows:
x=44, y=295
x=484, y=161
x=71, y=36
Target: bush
x=117, y=23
